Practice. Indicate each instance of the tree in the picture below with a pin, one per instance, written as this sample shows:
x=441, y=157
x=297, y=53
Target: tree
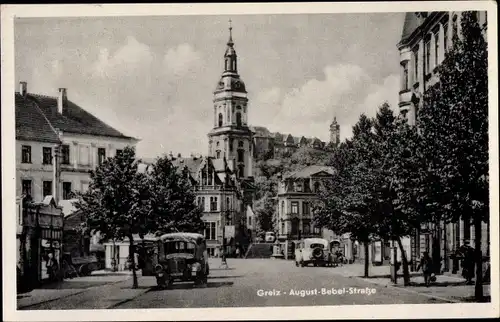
x=114, y=204
x=345, y=203
x=171, y=199
x=454, y=128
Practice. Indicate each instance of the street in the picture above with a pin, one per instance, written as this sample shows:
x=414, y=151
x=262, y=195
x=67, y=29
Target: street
x=247, y=283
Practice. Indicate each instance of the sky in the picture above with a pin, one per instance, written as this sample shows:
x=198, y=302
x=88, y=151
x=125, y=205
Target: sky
x=153, y=77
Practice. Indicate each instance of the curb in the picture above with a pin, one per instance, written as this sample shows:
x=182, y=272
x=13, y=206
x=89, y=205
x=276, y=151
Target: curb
x=61, y=297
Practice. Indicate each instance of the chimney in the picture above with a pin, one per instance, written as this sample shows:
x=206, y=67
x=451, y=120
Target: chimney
x=62, y=100
x=23, y=88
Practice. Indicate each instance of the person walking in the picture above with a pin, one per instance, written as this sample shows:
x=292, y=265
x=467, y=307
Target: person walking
x=468, y=263
x=238, y=252
x=52, y=267
x=426, y=265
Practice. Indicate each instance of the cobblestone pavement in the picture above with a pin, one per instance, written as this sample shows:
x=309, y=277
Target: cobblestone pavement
x=254, y=282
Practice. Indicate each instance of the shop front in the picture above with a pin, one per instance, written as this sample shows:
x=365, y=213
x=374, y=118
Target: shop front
x=40, y=242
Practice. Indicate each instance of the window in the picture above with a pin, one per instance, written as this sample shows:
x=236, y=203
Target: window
x=26, y=187
x=241, y=155
x=436, y=49
x=238, y=119
x=405, y=76
x=231, y=145
x=295, y=207
x=241, y=171
x=65, y=154
x=282, y=207
x=305, y=208
x=228, y=203
x=283, y=228
x=47, y=188
x=217, y=154
x=317, y=186
x=445, y=37
x=118, y=152
x=26, y=154
x=101, y=155
x=306, y=227
x=415, y=67
x=427, y=57
x=298, y=186
x=240, y=144
x=203, y=203
x=210, y=230
x=220, y=119
x=84, y=155
x=213, y=203
x=66, y=190
x=317, y=230
x=47, y=155
x=249, y=220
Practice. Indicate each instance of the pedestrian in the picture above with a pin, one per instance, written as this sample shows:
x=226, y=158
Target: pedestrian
x=426, y=265
x=237, y=252
x=52, y=267
x=468, y=263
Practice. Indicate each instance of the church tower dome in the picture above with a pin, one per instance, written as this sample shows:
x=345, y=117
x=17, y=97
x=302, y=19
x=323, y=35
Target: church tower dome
x=231, y=138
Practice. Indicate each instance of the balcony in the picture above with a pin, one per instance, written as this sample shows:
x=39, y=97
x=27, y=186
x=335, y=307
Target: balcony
x=405, y=96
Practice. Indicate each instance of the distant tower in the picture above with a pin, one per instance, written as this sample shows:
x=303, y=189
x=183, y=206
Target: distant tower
x=334, y=133
x=231, y=138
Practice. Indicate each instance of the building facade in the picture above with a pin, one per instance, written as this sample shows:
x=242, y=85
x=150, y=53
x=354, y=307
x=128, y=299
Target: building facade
x=57, y=144
x=297, y=192
x=268, y=145
x=426, y=38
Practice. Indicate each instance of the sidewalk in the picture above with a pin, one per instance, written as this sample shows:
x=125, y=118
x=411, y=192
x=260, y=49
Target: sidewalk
x=99, y=290
x=446, y=287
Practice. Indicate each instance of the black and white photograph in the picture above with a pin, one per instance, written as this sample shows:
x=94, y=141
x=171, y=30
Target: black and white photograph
x=247, y=161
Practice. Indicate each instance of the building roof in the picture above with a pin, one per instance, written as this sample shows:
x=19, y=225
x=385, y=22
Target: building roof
x=31, y=124
x=193, y=164
x=261, y=131
x=74, y=119
x=309, y=171
x=410, y=25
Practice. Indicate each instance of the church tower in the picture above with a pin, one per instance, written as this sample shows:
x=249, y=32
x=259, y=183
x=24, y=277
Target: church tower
x=334, y=133
x=231, y=138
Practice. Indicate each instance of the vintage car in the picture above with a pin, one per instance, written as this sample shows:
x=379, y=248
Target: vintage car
x=181, y=256
x=313, y=251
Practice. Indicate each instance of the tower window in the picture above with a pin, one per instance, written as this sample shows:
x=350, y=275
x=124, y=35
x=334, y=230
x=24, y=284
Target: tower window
x=238, y=119
x=240, y=155
x=241, y=171
x=220, y=119
x=231, y=145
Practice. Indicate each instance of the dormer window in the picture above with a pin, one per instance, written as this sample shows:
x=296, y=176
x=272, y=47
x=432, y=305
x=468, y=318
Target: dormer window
x=298, y=186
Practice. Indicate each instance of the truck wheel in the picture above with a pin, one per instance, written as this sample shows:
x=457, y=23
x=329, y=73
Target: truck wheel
x=302, y=264
x=296, y=263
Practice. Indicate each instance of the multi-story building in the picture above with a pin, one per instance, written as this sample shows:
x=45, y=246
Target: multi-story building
x=425, y=39
x=57, y=143
x=297, y=192
x=268, y=144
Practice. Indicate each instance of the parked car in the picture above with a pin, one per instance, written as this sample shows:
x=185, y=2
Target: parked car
x=313, y=251
x=270, y=237
x=181, y=256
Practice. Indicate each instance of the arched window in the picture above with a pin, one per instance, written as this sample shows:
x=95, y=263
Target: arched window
x=238, y=119
x=240, y=144
x=282, y=207
x=220, y=119
x=316, y=186
x=241, y=171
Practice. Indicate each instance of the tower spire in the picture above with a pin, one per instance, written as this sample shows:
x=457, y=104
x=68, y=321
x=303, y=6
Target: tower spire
x=230, y=41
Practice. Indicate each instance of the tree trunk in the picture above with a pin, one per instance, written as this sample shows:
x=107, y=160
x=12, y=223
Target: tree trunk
x=478, y=291
x=436, y=248
x=114, y=260
x=132, y=261
x=367, y=259
x=406, y=270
